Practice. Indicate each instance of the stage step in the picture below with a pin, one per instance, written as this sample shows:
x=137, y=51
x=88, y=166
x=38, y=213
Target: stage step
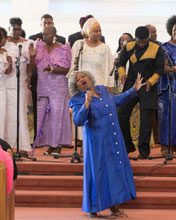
x=150, y=200
x=74, y=183
x=152, y=168
x=140, y=168
x=53, y=183
x=50, y=168
x=58, y=184
x=155, y=184
x=73, y=199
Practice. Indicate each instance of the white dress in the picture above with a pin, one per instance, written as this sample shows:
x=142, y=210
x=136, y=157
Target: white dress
x=97, y=60
x=3, y=68
x=11, y=88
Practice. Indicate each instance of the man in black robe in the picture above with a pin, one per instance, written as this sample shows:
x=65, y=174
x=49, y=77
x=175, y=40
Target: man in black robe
x=145, y=57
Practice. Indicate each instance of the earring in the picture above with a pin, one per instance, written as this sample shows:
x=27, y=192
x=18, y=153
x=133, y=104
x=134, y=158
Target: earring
x=54, y=40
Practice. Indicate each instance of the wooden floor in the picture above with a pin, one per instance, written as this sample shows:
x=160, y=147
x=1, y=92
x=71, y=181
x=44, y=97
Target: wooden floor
x=77, y=214
x=68, y=152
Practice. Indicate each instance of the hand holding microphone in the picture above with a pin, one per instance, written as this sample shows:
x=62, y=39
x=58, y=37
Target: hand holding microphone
x=124, y=43
x=88, y=98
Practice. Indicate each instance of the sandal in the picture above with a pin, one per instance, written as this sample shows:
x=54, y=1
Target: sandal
x=117, y=212
x=93, y=215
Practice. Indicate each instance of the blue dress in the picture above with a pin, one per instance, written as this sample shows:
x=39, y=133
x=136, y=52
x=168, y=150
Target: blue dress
x=167, y=100
x=108, y=178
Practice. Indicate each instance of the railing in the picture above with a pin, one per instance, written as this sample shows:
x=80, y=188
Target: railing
x=7, y=210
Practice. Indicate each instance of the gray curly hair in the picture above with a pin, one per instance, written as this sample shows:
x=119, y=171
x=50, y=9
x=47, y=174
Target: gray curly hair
x=73, y=90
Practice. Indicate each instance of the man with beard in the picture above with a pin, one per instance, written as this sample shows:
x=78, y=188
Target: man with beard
x=145, y=57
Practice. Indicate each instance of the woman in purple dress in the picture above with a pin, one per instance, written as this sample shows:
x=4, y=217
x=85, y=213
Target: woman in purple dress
x=52, y=61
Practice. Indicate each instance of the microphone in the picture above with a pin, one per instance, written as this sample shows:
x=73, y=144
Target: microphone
x=116, y=61
x=19, y=56
x=20, y=50
x=76, y=61
x=81, y=45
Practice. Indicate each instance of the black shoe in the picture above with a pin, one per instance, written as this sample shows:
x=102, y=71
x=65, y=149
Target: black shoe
x=131, y=150
x=143, y=156
x=57, y=151
x=49, y=151
x=79, y=143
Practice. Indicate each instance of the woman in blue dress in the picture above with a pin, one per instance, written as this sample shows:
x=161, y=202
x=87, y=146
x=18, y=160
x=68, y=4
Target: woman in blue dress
x=108, y=177
x=167, y=90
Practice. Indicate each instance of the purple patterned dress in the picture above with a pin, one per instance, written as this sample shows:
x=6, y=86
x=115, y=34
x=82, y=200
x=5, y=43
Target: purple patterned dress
x=53, y=119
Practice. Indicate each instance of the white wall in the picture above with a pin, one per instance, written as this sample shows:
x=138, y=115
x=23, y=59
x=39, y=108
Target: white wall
x=115, y=16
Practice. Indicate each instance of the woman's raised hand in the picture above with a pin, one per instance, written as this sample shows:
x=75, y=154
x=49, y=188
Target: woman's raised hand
x=32, y=50
x=9, y=59
x=88, y=98
x=138, y=84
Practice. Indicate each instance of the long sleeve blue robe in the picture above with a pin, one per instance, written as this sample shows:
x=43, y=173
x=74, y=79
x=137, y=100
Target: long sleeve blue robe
x=167, y=100
x=108, y=177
